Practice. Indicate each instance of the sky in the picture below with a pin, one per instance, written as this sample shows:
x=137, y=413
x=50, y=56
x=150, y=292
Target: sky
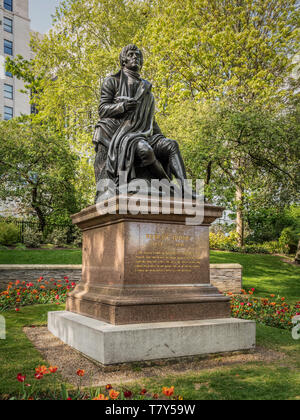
x=40, y=12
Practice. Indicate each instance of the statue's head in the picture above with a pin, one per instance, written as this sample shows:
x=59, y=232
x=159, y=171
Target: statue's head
x=131, y=57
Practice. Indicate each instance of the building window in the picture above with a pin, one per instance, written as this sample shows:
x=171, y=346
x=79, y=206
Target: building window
x=8, y=47
x=8, y=25
x=8, y=73
x=8, y=91
x=8, y=5
x=8, y=113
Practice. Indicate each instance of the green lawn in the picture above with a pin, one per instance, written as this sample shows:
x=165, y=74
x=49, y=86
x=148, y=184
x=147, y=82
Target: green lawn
x=17, y=354
x=256, y=380
x=41, y=256
x=278, y=380
x=267, y=273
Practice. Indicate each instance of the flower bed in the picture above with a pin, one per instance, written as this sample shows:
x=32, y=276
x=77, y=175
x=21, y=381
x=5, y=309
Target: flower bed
x=31, y=391
x=20, y=294
x=272, y=311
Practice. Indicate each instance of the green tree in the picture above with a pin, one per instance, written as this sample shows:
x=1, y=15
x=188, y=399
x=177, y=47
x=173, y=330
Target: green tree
x=210, y=49
x=70, y=65
x=233, y=60
x=37, y=169
x=76, y=56
x=226, y=63
x=248, y=157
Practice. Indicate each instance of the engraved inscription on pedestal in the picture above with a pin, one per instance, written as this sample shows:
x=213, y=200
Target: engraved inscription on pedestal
x=165, y=253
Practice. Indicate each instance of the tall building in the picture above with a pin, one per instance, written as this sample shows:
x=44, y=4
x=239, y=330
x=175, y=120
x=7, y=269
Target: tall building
x=14, y=40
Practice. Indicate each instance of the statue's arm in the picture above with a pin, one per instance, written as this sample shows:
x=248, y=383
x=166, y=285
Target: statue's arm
x=107, y=107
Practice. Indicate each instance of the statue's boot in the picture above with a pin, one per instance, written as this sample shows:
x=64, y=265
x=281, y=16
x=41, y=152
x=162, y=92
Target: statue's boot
x=178, y=169
x=157, y=171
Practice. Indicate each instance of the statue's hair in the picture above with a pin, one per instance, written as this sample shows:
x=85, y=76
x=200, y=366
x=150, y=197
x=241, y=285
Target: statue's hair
x=125, y=51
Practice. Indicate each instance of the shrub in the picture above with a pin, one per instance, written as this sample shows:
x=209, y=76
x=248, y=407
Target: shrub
x=9, y=234
x=48, y=246
x=218, y=240
x=272, y=247
x=20, y=247
x=288, y=241
x=254, y=249
x=32, y=237
x=58, y=237
x=77, y=237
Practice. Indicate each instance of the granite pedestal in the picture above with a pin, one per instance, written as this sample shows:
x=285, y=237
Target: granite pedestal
x=141, y=270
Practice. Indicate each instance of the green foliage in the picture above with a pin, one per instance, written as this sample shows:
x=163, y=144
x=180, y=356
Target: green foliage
x=239, y=50
x=20, y=247
x=272, y=247
x=37, y=168
x=9, y=234
x=218, y=240
x=58, y=237
x=267, y=223
x=22, y=69
x=251, y=148
x=255, y=249
x=77, y=237
x=228, y=65
x=288, y=240
x=48, y=246
x=80, y=63
x=32, y=237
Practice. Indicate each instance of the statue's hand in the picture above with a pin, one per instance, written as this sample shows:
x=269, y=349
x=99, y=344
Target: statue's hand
x=130, y=105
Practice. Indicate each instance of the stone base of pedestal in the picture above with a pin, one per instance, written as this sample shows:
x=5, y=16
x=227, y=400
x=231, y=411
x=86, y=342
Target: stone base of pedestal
x=136, y=305
x=112, y=344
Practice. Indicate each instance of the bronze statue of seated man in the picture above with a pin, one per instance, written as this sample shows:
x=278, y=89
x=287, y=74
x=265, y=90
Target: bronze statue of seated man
x=127, y=137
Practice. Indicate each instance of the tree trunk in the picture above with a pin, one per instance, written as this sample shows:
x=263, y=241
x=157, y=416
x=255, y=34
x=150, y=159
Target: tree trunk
x=37, y=209
x=208, y=172
x=240, y=224
x=297, y=257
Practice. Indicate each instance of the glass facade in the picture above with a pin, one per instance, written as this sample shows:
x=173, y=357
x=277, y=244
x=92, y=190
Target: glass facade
x=8, y=25
x=8, y=113
x=8, y=91
x=8, y=5
x=8, y=47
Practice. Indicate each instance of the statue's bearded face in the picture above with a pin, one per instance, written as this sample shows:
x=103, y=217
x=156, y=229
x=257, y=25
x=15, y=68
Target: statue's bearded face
x=133, y=60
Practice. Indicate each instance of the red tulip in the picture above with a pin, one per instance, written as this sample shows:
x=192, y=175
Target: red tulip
x=80, y=372
x=127, y=394
x=20, y=377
